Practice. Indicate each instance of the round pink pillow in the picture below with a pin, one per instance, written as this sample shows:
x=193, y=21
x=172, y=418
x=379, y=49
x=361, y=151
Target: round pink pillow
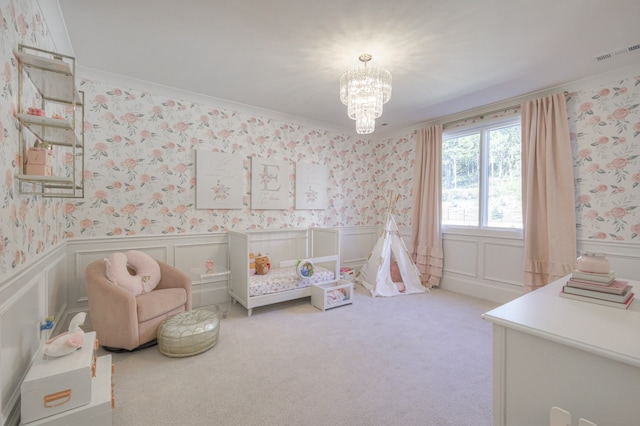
x=146, y=271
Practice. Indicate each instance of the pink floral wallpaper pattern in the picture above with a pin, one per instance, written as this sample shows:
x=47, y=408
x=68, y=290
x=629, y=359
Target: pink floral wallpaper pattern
x=140, y=174
x=140, y=164
x=605, y=130
x=29, y=225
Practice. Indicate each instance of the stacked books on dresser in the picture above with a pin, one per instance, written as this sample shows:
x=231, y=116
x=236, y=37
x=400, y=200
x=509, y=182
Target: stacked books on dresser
x=603, y=289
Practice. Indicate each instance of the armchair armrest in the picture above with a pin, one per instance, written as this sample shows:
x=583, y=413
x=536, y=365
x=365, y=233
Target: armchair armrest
x=171, y=277
x=113, y=310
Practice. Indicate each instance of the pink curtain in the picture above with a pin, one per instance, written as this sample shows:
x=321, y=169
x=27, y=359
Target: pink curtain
x=427, y=205
x=548, y=211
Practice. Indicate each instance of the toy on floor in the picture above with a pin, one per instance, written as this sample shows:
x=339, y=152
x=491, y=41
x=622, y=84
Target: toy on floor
x=69, y=341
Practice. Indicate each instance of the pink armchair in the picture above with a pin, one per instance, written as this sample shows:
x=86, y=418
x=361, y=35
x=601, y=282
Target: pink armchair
x=124, y=321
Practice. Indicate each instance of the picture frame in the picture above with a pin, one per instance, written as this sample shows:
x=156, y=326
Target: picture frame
x=269, y=184
x=311, y=186
x=219, y=178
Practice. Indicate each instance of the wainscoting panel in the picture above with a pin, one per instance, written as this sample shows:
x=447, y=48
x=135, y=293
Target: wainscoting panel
x=484, y=266
x=193, y=257
x=56, y=288
x=208, y=287
x=502, y=262
x=356, y=244
x=19, y=340
x=27, y=297
x=461, y=256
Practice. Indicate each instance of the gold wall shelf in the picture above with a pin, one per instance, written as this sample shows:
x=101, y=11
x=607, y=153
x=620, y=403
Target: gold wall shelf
x=52, y=75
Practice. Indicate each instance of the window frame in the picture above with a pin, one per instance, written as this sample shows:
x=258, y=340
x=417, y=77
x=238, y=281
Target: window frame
x=483, y=128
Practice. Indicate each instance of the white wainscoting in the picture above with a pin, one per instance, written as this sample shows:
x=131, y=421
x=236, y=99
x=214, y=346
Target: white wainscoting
x=490, y=267
x=188, y=253
x=487, y=267
x=27, y=297
x=356, y=244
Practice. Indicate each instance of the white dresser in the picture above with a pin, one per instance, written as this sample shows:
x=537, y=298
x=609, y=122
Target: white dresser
x=550, y=351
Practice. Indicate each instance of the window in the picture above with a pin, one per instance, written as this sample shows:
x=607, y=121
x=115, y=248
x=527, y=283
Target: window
x=481, y=184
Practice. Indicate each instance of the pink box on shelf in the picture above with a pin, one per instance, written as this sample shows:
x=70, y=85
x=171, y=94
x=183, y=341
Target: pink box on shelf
x=39, y=156
x=38, y=170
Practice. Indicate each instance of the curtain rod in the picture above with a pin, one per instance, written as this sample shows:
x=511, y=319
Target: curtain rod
x=482, y=115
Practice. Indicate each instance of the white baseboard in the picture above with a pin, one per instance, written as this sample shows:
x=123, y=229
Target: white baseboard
x=498, y=293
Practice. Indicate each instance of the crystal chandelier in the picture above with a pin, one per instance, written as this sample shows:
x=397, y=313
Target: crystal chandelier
x=364, y=90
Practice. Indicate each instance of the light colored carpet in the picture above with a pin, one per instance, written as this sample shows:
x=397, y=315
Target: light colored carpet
x=420, y=359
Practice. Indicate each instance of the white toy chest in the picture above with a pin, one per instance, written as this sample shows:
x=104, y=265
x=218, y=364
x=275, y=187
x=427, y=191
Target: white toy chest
x=326, y=296
x=99, y=411
x=54, y=385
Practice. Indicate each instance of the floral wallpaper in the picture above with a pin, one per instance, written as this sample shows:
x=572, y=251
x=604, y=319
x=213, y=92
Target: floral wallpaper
x=29, y=225
x=394, y=171
x=140, y=173
x=605, y=128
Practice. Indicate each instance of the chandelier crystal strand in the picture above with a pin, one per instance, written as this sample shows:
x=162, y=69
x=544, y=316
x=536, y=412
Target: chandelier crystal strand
x=364, y=91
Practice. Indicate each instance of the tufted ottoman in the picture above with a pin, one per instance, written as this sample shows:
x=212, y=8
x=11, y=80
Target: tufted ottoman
x=188, y=333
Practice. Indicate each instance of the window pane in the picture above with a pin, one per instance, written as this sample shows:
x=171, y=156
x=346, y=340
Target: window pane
x=461, y=180
x=504, y=197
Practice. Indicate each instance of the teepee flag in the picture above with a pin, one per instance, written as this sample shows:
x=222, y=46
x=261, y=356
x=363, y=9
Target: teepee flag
x=375, y=274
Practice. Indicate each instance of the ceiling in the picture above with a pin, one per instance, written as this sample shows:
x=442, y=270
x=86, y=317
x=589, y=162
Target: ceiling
x=287, y=55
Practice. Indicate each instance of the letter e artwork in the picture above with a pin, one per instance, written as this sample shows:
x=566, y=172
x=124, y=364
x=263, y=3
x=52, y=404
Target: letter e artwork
x=269, y=184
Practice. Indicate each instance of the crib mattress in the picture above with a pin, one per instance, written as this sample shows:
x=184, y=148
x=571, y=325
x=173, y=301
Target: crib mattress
x=283, y=279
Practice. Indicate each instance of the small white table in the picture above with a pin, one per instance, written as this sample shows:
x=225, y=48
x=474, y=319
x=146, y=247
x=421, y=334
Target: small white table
x=550, y=351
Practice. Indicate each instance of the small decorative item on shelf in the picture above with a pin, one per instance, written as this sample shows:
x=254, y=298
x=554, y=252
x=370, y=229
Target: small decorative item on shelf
x=38, y=170
x=36, y=111
x=209, y=264
x=57, y=117
x=39, y=161
x=43, y=145
x=39, y=155
x=595, y=263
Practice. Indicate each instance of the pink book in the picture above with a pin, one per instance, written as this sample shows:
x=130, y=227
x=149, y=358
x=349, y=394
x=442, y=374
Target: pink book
x=616, y=287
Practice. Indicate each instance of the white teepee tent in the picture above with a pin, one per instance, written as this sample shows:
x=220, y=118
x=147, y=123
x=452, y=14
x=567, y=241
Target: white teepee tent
x=375, y=274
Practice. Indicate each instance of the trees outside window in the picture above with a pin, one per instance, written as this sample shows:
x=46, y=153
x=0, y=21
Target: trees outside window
x=481, y=185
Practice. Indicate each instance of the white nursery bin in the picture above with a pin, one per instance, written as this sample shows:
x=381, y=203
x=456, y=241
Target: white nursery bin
x=328, y=296
x=98, y=412
x=54, y=385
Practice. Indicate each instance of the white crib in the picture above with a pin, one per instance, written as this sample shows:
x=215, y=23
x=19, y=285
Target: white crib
x=285, y=248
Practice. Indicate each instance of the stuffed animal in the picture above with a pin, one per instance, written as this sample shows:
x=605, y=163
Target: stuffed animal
x=262, y=264
x=252, y=264
x=67, y=342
